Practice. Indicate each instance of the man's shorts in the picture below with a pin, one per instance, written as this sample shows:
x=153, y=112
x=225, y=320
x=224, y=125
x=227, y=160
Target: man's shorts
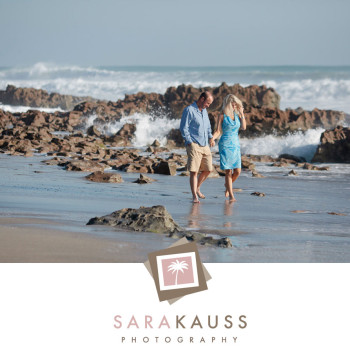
x=199, y=158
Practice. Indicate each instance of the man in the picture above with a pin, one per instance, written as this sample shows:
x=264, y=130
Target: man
x=196, y=131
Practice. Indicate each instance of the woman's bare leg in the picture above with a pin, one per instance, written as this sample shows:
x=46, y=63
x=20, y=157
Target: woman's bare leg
x=235, y=174
x=228, y=184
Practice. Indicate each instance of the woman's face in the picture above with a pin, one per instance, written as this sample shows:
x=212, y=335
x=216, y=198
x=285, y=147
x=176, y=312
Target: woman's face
x=234, y=105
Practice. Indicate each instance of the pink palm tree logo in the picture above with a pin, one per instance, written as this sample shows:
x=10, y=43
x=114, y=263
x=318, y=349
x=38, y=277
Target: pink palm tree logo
x=177, y=266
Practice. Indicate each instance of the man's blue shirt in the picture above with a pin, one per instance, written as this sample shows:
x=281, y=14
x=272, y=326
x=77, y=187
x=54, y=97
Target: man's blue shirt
x=195, y=125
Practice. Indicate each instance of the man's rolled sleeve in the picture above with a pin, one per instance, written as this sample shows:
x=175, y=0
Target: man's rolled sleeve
x=184, y=126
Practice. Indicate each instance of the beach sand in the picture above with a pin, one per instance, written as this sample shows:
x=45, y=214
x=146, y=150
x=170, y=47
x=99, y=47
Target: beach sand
x=22, y=243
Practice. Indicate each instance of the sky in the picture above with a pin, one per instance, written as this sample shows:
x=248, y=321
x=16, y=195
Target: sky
x=175, y=33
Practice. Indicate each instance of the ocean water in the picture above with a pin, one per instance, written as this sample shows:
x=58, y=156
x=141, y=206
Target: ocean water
x=299, y=86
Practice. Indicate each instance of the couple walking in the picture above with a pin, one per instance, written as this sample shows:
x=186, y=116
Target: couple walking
x=196, y=131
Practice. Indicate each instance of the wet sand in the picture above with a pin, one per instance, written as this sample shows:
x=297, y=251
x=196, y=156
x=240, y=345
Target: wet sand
x=44, y=211
x=21, y=243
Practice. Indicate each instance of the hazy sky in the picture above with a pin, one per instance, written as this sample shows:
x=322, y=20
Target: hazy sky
x=177, y=32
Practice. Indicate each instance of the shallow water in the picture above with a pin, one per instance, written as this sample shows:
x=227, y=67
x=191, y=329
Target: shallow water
x=262, y=229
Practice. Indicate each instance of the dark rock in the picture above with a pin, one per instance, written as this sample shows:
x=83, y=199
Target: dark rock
x=309, y=166
x=334, y=147
x=185, y=173
x=39, y=98
x=259, y=158
x=219, y=171
x=164, y=168
x=175, y=136
x=247, y=164
x=84, y=165
x=155, y=143
x=292, y=173
x=93, y=131
x=222, y=242
x=100, y=176
x=256, y=174
x=151, y=219
x=258, y=194
x=143, y=179
x=292, y=157
x=127, y=131
x=158, y=220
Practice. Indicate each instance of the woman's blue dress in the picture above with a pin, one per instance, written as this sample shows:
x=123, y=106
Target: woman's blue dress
x=229, y=148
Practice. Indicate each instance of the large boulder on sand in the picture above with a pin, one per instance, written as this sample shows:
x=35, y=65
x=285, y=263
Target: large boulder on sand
x=152, y=219
x=158, y=220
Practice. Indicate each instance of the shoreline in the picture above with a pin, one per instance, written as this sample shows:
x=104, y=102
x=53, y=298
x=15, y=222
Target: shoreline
x=27, y=240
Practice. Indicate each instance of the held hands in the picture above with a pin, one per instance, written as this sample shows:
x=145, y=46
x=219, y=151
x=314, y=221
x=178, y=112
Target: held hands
x=212, y=142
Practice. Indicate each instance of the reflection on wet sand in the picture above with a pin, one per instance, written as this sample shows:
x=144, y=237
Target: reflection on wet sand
x=198, y=220
x=228, y=212
x=194, y=216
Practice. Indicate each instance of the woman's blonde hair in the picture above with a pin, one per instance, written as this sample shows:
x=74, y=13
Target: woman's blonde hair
x=227, y=104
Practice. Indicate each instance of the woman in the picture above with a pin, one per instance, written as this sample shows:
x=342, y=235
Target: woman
x=230, y=152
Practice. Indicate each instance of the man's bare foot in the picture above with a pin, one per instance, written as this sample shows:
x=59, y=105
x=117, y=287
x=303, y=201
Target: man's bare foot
x=200, y=194
x=233, y=199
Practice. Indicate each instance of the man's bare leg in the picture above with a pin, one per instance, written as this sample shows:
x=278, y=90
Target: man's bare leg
x=193, y=184
x=202, y=177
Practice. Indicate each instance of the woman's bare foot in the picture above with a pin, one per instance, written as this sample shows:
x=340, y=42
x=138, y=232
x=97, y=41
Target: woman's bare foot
x=200, y=194
x=232, y=199
x=195, y=200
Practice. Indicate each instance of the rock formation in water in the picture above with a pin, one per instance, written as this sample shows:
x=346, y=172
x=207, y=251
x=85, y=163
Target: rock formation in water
x=39, y=98
x=334, y=147
x=262, y=108
x=155, y=219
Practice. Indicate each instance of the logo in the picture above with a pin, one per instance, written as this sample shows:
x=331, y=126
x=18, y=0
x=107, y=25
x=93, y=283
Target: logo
x=177, y=271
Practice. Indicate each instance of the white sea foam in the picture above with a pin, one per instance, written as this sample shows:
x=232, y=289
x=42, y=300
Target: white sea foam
x=148, y=127
x=310, y=94
x=23, y=109
x=299, y=144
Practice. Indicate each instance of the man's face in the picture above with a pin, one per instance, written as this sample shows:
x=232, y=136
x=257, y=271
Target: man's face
x=203, y=104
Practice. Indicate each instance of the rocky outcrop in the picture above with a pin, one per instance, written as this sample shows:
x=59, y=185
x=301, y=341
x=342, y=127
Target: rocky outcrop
x=165, y=168
x=143, y=179
x=100, y=176
x=151, y=219
x=334, y=147
x=158, y=220
x=39, y=98
x=83, y=165
x=175, y=138
x=176, y=98
x=275, y=121
x=261, y=109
